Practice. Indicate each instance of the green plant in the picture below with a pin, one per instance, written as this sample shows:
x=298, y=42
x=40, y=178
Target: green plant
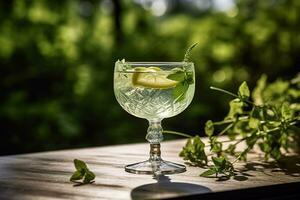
x=268, y=121
x=82, y=172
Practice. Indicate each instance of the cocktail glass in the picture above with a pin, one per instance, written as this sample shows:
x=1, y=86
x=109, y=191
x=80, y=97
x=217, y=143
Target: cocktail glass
x=154, y=91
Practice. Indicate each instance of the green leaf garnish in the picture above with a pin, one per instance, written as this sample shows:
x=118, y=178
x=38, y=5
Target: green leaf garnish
x=77, y=175
x=179, y=75
x=89, y=176
x=180, y=91
x=188, y=52
x=80, y=165
x=184, y=77
x=82, y=172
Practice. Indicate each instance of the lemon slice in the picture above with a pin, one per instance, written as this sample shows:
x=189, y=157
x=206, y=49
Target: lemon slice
x=152, y=77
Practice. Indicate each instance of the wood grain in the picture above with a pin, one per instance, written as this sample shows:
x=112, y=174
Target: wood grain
x=46, y=175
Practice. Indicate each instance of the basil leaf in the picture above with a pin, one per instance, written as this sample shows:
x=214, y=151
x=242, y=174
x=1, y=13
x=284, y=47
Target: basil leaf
x=80, y=165
x=177, y=76
x=180, y=91
x=82, y=172
x=89, y=176
x=209, y=172
x=77, y=175
x=218, y=161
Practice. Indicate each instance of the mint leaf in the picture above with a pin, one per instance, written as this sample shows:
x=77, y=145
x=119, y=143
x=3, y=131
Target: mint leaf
x=236, y=108
x=244, y=92
x=179, y=76
x=80, y=165
x=286, y=112
x=221, y=167
x=209, y=172
x=219, y=161
x=194, y=151
x=77, y=175
x=254, y=123
x=82, y=172
x=180, y=91
x=89, y=176
x=185, y=79
x=209, y=128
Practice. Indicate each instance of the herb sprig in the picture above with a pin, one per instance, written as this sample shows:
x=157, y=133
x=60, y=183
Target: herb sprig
x=183, y=76
x=222, y=166
x=188, y=52
x=268, y=121
x=82, y=172
x=185, y=79
x=194, y=152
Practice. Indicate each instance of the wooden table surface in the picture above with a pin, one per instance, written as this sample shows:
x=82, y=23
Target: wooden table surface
x=46, y=176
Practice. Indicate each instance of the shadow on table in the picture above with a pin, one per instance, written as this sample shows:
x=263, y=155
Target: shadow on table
x=289, y=165
x=164, y=188
x=239, y=175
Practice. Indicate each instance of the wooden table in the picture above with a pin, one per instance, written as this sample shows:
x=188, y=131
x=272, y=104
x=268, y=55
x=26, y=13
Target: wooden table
x=46, y=176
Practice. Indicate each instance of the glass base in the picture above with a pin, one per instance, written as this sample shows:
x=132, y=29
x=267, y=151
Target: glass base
x=155, y=167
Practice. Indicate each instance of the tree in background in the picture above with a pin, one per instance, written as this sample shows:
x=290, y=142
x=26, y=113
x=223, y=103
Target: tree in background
x=57, y=59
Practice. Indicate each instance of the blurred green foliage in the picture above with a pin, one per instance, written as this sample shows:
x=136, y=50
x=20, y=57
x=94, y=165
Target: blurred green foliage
x=57, y=60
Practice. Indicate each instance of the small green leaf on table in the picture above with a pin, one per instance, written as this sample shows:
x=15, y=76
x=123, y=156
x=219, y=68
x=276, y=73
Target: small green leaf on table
x=82, y=172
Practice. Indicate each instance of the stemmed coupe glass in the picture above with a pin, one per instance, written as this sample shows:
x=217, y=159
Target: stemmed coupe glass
x=154, y=91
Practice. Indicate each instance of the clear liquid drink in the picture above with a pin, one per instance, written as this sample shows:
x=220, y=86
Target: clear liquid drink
x=153, y=101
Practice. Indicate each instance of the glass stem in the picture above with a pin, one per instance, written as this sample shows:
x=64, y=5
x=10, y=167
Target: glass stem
x=154, y=137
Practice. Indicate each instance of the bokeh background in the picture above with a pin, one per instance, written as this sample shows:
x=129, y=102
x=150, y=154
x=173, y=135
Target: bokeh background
x=57, y=59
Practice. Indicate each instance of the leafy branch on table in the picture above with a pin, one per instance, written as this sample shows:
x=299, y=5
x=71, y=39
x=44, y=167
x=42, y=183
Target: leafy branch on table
x=268, y=121
x=82, y=172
